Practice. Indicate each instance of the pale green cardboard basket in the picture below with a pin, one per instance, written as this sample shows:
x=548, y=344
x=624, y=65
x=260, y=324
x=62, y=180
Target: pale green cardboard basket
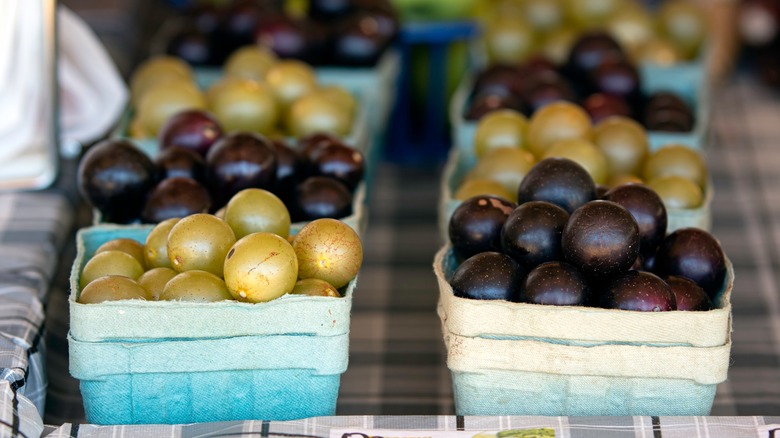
x=174, y=362
x=527, y=359
x=459, y=164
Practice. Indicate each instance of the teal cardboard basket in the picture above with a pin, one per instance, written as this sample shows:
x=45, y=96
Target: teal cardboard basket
x=459, y=164
x=688, y=81
x=146, y=362
x=527, y=359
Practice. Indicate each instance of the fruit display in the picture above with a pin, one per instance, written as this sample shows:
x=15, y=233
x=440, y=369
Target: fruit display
x=672, y=33
x=258, y=93
x=758, y=24
x=560, y=246
x=319, y=177
x=508, y=150
x=597, y=75
x=326, y=32
x=202, y=258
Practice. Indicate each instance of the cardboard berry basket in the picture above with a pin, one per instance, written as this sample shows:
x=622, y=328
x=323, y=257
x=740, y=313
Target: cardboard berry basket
x=459, y=164
x=178, y=362
x=688, y=82
x=527, y=359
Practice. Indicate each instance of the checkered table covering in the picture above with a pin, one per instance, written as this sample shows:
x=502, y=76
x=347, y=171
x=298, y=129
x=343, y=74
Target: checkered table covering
x=325, y=427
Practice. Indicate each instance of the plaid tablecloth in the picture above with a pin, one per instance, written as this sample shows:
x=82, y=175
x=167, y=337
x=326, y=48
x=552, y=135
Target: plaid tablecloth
x=325, y=427
x=33, y=230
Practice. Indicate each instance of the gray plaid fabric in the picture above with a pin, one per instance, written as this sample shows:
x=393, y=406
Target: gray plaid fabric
x=573, y=427
x=33, y=227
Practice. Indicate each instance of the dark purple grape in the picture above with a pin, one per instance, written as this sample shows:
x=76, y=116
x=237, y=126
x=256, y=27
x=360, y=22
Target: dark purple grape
x=192, y=46
x=341, y=162
x=559, y=181
x=359, y=40
x=195, y=129
x=600, y=106
x=668, y=120
x=320, y=197
x=505, y=80
x=114, y=176
x=639, y=291
x=175, y=161
x=175, y=198
x=289, y=169
x=488, y=276
x=239, y=161
x=688, y=294
x=648, y=210
x=555, y=283
x=532, y=233
x=484, y=103
x=546, y=87
x=601, y=239
x=309, y=145
x=617, y=77
x=590, y=50
x=693, y=253
x=475, y=226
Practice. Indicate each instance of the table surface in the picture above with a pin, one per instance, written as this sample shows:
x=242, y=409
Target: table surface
x=397, y=376
x=397, y=359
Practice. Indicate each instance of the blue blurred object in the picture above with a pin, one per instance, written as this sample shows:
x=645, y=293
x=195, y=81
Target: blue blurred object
x=422, y=137
x=179, y=4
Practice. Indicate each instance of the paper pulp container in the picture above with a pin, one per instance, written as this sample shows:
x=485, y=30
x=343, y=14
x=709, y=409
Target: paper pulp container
x=176, y=362
x=527, y=359
x=459, y=164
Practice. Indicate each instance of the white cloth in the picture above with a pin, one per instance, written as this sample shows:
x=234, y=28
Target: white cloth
x=92, y=92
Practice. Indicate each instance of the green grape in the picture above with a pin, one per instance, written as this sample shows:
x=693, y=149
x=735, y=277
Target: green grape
x=554, y=122
x=250, y=62
x=244, y=105
x=317, y=112
x=501, y=128
x=257, y=210
x=584, y=153
x=685, y=24
x=200, y=242
x=111, y=288
x=483, y=186
x=330, y=250
x=624, y=142
x=290, y=79
x=195, y=286
x=129, y=246
x=677, y=192
x=509, y=40
x=156, y=249
x=110, y=263
x=677, y=160
x=507, y=166
x=154, y=281
x=316, y=288
x=261, y=267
